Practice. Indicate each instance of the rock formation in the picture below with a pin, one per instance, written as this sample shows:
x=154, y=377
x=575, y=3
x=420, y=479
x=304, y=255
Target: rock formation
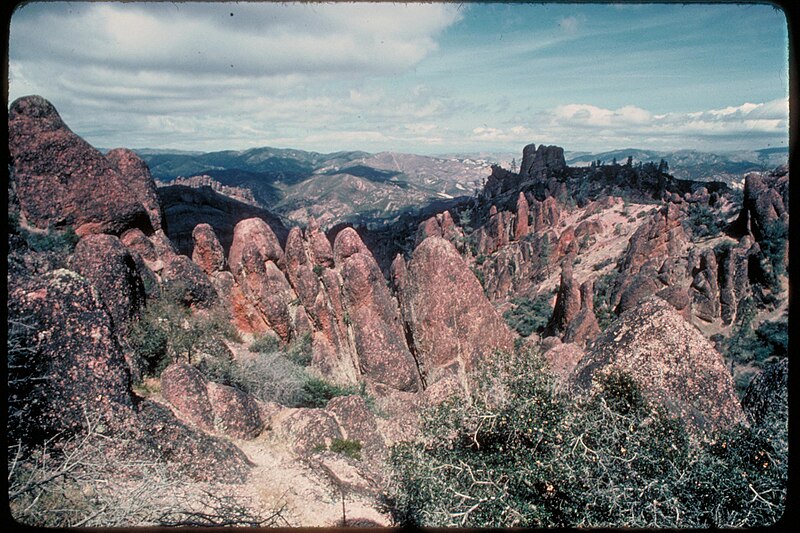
x=671, y=361
x=62, y=181
x=453, y=325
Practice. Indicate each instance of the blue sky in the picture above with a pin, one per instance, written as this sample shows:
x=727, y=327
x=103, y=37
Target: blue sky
x=423, y=78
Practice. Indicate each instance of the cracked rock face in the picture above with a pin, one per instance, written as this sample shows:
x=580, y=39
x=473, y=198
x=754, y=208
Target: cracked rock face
x=671, y=361
x=453, y=324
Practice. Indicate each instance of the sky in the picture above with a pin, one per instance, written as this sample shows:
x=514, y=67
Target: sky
x=422, y=78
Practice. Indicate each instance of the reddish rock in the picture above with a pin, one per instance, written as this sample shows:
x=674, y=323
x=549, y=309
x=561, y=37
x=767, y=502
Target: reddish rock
x=134, y=172
x=568, y=303
x=189, y=283
x=184, y=387
x=111, y=268
x=545, y=214
x=762, y=205
x=190, y=452
x=586, y=232
x=563, y=359
x=207, y=252
x=448, y=316
x=63, y=332
x=321, y=251
x=135, y=239
x=678, y=297
x=62, y=181
x=347, y=243
x=659, y=237
x=566, y=243
x=380, y=343
x=244, y=315
x=671, y=361
x=308, y=430
x=704, y=288
x=427, y=228
x=357, y=422
x=583, y=328
x=253, y=241
x=521, y=226
x=634, y=289
x=234, y=412
x=254, y=253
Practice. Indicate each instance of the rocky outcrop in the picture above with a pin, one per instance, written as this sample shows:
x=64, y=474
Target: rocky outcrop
x=112, y=269
x=541, y=163
x=763, y=204
x=188, y=283
x=207, y=252
x=583, y=328
x=134, y=172
x=545, y=214
x=64, y=360
x=190, y=452
x=62, y=181
x=671, y=361
x=321, y=250
x=357, y=423
x=452, y=324
x=568, y=303
x=254, y=260
x=704, y=287
x=184, y=387
x=308, y=430
x=662, y=236
x=441, y=225
x=374, y=316
x=563, y=358
x=523, y=213
x=235, y=412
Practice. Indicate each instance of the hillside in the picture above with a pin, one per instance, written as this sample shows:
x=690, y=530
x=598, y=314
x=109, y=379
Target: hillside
x=566, y=346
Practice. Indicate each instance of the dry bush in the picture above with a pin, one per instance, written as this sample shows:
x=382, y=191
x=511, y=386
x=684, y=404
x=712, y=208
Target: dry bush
x=81, y=481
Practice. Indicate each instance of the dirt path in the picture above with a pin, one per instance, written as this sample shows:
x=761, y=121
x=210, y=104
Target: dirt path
x=281, y=479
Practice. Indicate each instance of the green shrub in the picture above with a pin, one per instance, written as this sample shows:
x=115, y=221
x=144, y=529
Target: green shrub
x=300, y=350
x=265, y=344
x=316, y=392
x=524, y=453
x=529, y=315
x=346, y=447
x=318, y=270
x=53, y=240
x=703, y=221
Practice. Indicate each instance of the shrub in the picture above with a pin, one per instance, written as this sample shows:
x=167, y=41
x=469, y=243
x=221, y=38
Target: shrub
x=52, y=240
x=529, y=315
x=300, y=350
x=703, y=221
x=523, y=453
x=316, y=392
x=265, y=343
x=346, y=447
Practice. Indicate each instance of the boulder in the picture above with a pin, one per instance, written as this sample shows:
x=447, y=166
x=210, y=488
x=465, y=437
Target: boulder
x=347, y=243
x=189, y=452
x=379, y=339
x=308, y=430
x=111, y=268
x=134, y=172
x=63, y=181
x=189, y=283
x=563, y=358
x=207, y=252
x=357, y=423
x=672, y=362
x=523, y=212
x=184, y=387
x=235, y=413
x=64, y=361
x=449, y=318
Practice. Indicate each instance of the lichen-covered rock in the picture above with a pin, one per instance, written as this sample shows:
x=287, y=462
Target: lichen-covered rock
x=64, y=360
x=184, y=387
x=235, y=412
x=563, y=358
x=134, y=172
x=671, y=361
x=189, y=283
x=308, y=430
x=375, y=318
x=568, y=302
x=207, y=252
x=63, y=181
x=192, y=453
x=111, y=268
x=447, y=314
x=357, y=422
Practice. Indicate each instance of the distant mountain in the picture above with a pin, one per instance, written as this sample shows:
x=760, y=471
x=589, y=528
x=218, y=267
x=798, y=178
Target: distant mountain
x=692, y=164
x=336, y=187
